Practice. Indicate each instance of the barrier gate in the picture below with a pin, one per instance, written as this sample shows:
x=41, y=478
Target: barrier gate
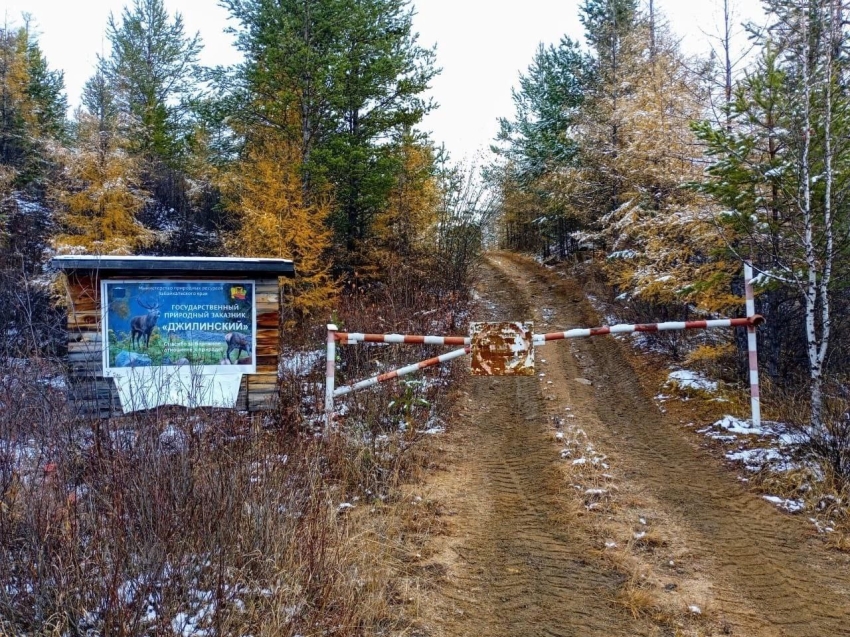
x=507, y=348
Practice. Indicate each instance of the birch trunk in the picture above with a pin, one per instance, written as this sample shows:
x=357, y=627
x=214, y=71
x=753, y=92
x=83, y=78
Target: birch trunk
x=805, y=204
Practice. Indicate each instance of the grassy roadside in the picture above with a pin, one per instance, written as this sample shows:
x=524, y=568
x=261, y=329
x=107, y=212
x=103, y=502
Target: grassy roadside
x=803, y=481
x=212, y=522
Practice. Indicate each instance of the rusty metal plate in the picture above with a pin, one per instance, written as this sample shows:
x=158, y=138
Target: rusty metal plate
x=502, y=349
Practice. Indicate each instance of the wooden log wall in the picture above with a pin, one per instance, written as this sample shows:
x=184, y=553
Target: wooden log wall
x=94, y=395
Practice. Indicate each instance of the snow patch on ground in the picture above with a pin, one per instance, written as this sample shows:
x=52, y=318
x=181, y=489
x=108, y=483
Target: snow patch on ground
x=792, y=506
x=302, y=363
x=770, y=447
x=686, y=379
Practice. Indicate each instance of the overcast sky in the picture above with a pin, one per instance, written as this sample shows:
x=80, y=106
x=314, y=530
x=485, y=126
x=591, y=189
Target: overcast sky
x=482, y=46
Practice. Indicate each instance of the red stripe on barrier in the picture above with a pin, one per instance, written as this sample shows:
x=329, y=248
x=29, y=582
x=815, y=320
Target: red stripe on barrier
x=429, y=362
x=599, y=331
x=754, y=391
x=697, y=325
x=754, y=360
x=455, y=340
x=646, y=327
x=388, y=376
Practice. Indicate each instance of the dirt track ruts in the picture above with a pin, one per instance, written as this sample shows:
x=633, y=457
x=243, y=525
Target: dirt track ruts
x=520, y=562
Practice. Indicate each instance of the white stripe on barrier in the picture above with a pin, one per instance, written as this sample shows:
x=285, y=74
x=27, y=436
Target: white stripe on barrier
x=540, y=339
x=352, y=338
x=750, y=322
x=403, y=371
x=330, y=374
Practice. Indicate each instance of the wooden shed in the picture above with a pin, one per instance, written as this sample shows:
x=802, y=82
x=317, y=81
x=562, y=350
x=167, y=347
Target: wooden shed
x=189, y=312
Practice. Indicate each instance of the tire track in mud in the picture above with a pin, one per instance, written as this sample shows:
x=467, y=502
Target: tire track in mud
x=766, y=569
x=519, y=563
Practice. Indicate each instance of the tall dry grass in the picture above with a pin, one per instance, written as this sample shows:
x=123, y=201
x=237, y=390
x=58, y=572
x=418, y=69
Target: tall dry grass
x=212, y=522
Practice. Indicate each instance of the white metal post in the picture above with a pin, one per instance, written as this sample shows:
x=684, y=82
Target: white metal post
x=752, y=346
x=330, y=378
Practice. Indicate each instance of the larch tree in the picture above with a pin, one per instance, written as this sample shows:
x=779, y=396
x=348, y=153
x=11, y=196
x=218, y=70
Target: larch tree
x=264, y=192
x=32, y=106
x=32, y=125
x=661, y=239
x=403, y=229
x=100, y=193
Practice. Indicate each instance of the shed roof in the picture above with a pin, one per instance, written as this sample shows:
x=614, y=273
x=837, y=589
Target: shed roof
x=116, y=266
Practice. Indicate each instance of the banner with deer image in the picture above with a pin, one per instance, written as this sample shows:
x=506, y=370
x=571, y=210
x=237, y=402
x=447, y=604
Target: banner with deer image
x=207, y=326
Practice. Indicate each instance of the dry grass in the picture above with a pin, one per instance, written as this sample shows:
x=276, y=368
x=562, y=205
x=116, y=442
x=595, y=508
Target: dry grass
x=218, y=523
x=822, y=483
x=635, y=598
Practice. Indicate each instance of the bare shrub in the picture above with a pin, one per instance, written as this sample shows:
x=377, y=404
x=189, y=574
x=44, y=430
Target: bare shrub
x=174, y=521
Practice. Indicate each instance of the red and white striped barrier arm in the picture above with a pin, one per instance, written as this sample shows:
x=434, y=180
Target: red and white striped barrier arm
x=352, y=338
x=403, y=371
x=751, y=321
x=752, y=346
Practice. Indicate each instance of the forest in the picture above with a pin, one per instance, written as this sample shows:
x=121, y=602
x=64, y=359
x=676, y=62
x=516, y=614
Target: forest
x=671, y=171
x=649, y=174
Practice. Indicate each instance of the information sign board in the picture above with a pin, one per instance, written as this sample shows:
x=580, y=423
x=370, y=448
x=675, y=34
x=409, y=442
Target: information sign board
x=209, y=326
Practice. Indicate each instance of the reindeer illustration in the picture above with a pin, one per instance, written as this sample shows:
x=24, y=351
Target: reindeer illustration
x=236, y=341
x=141, y=327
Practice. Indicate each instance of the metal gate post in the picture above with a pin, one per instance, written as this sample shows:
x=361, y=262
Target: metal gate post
x=330, y=378
x=752, y=346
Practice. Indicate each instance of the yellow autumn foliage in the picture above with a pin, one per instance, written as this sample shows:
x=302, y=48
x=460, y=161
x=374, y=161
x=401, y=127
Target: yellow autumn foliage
x=264, y=191
x=663, y=243
x=99, y=195
x=404, y=228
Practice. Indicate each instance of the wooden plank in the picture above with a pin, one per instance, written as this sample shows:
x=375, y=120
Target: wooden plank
x=87, y=337
x=83, y=320
x=85, y=360
x=267, y=377
x=269, y=320
x=235, y=268
x=84, y=349
x=267, y=364
x=262, y=403
x=84, y=346
x=78, y=313
x=84, y=368
x=242, y=396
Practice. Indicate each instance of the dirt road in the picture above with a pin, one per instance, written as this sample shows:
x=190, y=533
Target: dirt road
x=655, y=538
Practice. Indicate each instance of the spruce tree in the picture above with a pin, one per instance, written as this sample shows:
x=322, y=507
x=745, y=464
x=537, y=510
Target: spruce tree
x=539, y=144
x=152, y=68
x=337, y=78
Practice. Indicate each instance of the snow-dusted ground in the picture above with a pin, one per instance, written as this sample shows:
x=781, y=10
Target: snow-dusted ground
x=301, y=363
x=689, y=380
x=773, y=447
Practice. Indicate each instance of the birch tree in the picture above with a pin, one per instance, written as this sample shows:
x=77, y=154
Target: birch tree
x=781, y=168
